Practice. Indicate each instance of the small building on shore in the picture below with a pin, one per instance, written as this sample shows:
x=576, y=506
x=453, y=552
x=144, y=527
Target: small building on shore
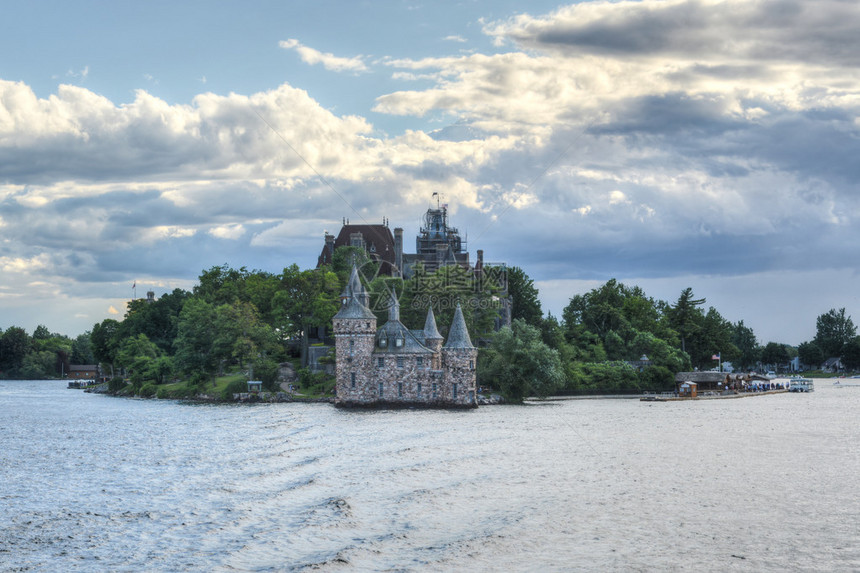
x=717, y=381
x=83, y=372
x=705, y=381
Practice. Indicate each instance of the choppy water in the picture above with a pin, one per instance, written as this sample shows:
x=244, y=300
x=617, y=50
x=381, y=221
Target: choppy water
x=93, y=483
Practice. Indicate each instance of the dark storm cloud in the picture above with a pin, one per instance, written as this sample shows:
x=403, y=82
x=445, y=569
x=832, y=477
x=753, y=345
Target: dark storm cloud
x=670, y=114
x=792, y=30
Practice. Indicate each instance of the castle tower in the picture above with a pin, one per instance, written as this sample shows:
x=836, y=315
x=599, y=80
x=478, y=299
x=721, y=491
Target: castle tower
x=354, y=333
x=432, y=339
x=459, y=358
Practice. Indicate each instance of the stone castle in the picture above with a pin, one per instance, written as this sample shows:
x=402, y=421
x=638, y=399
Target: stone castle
x=394, y=366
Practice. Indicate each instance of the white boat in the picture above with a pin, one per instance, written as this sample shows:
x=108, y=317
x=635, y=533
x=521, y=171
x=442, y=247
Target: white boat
x=798, y=384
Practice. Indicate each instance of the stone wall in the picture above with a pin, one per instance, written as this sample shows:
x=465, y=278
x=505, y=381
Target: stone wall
x=458, y=365
x=353, y=348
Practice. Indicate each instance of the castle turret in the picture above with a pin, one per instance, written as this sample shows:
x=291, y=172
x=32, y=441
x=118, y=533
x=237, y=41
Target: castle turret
x=354, y=289
x=459, y=359
x=354, y=333
x=393, y=307
x=458, y=336
x=432, y=338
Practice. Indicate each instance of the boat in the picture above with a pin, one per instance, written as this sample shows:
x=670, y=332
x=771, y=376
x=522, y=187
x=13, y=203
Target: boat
x=798, y=384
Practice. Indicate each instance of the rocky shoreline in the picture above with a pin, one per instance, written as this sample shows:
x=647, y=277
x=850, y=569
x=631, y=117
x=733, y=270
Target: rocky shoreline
x=267, y=397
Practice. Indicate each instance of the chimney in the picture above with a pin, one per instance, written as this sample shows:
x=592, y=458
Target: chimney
x=398, y=251
x=329, y=244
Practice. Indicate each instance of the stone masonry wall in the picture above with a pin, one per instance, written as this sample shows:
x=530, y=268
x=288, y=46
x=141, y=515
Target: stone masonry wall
x=458, y=366
x=353, y=347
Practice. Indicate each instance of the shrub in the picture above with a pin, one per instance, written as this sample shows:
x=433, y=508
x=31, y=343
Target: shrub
x=657, y=379
x=234, y=387
x=116, y=384
x=148, y=390
x=267, y=372
x=315, y=382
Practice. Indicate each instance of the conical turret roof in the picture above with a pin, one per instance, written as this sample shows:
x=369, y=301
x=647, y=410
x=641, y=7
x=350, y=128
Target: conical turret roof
x=431, y=332
x=458, y=336
x=393, y=306
x=354, y=288
x=355, y=299
x=354, y=309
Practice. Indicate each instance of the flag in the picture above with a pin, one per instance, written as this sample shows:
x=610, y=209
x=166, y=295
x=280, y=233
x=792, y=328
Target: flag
x=134, y=285
x=715, y=357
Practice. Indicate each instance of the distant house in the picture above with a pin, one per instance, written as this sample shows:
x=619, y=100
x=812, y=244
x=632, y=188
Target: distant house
x=83, y=371
x=833, y=365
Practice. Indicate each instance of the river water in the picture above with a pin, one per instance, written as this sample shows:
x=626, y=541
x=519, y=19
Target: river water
x=94, y=483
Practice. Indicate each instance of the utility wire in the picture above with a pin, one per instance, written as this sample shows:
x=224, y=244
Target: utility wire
x=312, y=168
x=541, y=174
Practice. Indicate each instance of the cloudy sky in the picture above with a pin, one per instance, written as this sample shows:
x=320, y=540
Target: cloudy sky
x=704, y=143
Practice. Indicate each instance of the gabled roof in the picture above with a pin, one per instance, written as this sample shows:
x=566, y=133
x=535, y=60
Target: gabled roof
x=458, y=335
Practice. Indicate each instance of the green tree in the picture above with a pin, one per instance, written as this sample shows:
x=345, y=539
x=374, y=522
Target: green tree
x=156, y=319
x=833, y=330
x=713, y=335
x=105, y=341
x=82, y=349
x=745, y=341
x=41, y=333
x=686, y=316
x=851, y=354
x=660, y=353
x=443, y=290
x=307, y=299
x=137, y=355
x=775, y=354
x=38, y=365
x=241, y=335
x=195, y=335
x=524, y=297
x=222, y=285
x=600, y=311
x=810, y=354
x=15, y=344
x=607, y=378
x=521, y=365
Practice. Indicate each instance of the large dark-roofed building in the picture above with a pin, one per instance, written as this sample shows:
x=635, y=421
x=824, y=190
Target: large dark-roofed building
x=377, y=240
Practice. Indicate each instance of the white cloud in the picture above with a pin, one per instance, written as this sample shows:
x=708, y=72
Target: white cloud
x=610, y=135
x=227, y=231
x=329, y=61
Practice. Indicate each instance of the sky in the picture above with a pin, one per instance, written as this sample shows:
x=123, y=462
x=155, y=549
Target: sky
x=710, y=144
